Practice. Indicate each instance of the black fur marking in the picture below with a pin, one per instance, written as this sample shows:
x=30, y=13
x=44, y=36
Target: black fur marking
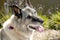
x=14, y=6
x=29, y=17
x=35, y=19
x=19, y=15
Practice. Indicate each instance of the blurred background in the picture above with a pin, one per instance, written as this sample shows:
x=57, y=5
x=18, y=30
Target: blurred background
x=48, y=10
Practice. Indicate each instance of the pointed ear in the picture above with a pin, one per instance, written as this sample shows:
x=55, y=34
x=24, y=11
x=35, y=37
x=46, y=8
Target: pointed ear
x=16, y=9
x=27, y=3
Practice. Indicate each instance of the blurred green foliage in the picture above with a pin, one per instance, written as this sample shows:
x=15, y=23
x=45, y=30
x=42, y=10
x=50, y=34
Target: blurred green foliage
x=3, y=16
x=45, y=18
x=52, y=21
x=55, y=21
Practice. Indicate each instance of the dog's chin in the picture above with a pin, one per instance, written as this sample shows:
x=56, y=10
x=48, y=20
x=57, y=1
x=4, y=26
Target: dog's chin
x=36, y=27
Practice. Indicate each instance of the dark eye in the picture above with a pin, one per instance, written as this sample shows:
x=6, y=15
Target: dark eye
x=35, y=12
x=28, y=16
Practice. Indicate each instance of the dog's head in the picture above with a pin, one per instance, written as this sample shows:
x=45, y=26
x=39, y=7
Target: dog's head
x=27, y=18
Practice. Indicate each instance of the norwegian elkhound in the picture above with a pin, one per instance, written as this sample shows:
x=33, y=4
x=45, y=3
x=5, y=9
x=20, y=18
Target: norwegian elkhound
x=22, y=24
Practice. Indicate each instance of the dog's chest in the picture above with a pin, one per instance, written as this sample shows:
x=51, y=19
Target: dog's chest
x=16, y=35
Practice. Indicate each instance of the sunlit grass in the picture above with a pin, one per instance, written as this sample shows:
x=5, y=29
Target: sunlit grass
x=53, y=22
x=3, y=16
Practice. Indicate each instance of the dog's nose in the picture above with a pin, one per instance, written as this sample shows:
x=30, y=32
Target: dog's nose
x=41, y=21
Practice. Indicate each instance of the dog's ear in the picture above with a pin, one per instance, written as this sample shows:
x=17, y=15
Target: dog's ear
x=27, y=3
x=16, y=10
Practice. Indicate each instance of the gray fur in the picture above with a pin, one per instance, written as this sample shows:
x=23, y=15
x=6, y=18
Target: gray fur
x=21, y=29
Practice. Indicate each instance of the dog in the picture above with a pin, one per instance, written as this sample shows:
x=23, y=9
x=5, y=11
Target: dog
x=22, y=24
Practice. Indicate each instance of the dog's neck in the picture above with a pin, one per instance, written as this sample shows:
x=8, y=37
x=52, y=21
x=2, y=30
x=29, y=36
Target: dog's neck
x=15, y=33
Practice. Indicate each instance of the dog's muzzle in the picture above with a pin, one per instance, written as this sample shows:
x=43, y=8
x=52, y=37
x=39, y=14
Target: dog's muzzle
x=37, y=28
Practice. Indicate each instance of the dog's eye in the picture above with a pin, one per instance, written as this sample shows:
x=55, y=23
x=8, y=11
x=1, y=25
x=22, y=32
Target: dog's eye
x=28, y=16
x=35, y=12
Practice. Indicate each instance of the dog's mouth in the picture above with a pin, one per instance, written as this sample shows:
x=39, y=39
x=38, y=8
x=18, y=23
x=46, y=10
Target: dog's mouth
x=37, y=28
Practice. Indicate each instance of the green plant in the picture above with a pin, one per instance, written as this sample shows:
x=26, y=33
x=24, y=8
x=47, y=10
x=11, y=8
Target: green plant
x=45, y=18
x=55, y=21
x=3, y=16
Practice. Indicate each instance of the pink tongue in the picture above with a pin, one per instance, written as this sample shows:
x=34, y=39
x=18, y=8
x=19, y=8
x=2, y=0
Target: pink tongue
x=40, y=29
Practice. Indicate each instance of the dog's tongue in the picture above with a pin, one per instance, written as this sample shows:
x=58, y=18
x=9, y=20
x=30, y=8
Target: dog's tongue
x=40, y=29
